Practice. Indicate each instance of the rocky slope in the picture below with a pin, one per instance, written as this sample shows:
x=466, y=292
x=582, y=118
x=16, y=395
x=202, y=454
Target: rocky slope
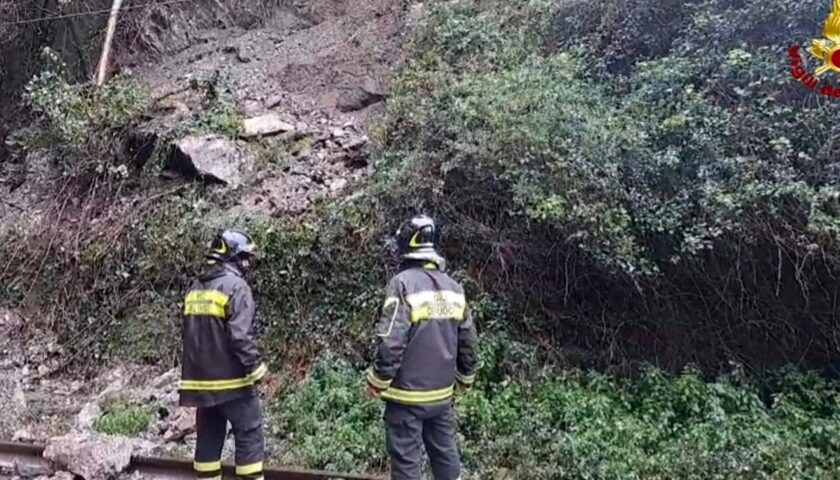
x=308, y=82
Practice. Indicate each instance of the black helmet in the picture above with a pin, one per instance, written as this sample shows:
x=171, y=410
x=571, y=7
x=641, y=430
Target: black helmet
x=418, y=239
x=231, y=246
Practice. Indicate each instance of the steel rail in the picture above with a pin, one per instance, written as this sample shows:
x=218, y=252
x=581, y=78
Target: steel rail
x=169, y=468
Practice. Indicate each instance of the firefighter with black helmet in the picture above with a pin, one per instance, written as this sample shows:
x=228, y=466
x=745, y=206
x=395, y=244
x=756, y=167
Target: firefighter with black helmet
x=221, y=362
x=426, y=345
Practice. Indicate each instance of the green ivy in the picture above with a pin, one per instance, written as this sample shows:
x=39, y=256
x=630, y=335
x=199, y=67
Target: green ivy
x=126, y=419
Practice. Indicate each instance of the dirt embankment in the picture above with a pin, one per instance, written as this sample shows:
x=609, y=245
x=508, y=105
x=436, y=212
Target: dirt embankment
x=307, y=77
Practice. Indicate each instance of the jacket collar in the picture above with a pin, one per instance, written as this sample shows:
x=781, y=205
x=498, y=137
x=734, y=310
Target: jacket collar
x=218, y=269
x=424, y=264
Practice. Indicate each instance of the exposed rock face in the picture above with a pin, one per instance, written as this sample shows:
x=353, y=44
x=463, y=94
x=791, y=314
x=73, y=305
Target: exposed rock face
x=211, y=157
x=91, y=457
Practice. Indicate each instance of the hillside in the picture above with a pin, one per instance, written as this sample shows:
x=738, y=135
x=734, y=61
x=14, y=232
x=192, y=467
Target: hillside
x=643, y=205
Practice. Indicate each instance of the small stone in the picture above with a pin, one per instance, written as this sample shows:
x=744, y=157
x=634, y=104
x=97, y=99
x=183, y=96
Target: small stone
x=415, y=14
x=337, y=133
x=356, y=143
x=182, y=425
x=23, y=435
x=337, y=185
x=167, y=379
x=43, y=370
x=117, y=380
x=252, y=107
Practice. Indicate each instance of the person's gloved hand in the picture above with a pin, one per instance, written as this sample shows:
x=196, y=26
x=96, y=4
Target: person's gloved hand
x=371, y=392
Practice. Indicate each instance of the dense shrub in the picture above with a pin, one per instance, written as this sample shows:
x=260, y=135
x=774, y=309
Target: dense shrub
x=667, y=193
x=80, y=124
x=325, y=422
x=582, y=424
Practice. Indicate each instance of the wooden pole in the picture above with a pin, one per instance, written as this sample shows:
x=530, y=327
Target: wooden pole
x=109, y=38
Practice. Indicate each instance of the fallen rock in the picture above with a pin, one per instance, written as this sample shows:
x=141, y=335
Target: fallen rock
x=143, y=447
x=338, y=185
x=211, y=158
x=264, y=125
x=92, y=457
x=62, y=476
x=24, y=436
x=415, y=15
x=183, y=424
x=357, y=98
x=30, y=469
x=117, y=380
x=87, y=416
x=237, y=52
x=167, y=380
x=10, y=322
x=355, y=143
x=12, y=404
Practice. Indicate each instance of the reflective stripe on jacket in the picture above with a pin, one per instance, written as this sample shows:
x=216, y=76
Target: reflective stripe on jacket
x=426, y=338
x=220, y=360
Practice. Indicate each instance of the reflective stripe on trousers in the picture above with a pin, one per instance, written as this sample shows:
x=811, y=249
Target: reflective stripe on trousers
x=245, y=417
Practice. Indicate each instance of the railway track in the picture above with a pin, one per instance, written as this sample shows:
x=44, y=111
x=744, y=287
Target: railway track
x=167, y=468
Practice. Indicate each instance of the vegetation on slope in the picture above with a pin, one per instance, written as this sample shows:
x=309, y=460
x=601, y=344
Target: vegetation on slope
x=665, y=191
x=574, y=424
x=623, y=183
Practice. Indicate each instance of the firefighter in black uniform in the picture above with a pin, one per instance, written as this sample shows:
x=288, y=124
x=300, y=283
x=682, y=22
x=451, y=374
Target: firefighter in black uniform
x=426, y=346
x=221, y=364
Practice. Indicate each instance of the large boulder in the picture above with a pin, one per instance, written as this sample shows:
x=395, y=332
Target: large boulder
x=90, y=456
x=211, y=158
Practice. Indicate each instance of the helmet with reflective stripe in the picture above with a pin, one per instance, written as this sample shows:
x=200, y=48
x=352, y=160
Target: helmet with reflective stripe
x=418, y=238
x=231, y=245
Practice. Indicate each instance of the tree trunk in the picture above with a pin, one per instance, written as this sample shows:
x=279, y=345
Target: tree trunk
x=109, y=38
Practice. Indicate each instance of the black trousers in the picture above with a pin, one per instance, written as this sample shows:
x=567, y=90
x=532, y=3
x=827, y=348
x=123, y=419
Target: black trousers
x=245, y=417
x=411, y=427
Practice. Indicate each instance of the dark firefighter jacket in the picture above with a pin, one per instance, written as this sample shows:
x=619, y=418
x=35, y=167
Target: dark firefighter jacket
x=426, y=338
x=220, y=360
